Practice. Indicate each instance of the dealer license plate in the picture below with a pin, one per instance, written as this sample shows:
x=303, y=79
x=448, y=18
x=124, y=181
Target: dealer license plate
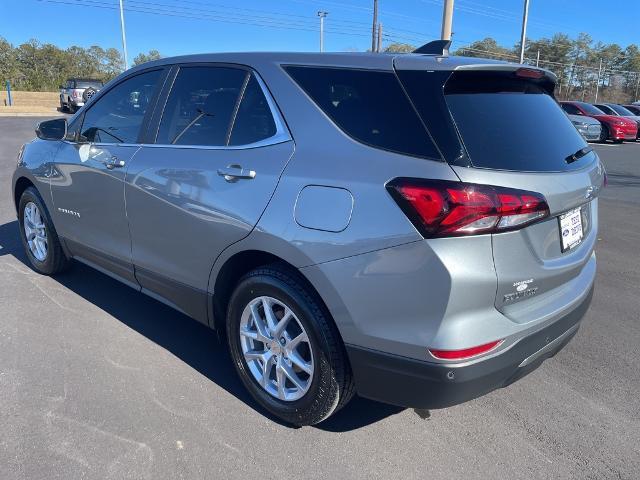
x=571, y=231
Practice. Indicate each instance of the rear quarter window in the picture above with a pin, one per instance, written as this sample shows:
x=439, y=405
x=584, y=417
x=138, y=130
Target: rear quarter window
x=369, y=106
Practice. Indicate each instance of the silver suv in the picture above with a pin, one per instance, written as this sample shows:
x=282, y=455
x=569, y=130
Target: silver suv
x=418, y=229
x=76, y=92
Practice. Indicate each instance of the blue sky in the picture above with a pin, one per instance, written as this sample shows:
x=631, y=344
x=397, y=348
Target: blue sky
x=189, y=26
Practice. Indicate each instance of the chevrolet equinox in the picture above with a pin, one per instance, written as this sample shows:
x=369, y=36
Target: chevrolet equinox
x=418, y=229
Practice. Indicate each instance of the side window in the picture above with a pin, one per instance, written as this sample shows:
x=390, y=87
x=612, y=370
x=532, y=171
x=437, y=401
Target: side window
x=118, y=115
x=370, y=106
x=571, y=109
x=254, y=121
x=201, y=105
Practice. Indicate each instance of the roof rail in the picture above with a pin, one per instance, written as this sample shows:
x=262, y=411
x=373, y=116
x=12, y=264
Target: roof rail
x=437, y=47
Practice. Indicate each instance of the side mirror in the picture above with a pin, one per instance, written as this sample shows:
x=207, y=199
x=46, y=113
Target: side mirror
x=55, y=129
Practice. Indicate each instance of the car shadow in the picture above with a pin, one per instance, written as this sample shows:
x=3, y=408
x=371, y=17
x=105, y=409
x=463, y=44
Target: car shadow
x=190, y=341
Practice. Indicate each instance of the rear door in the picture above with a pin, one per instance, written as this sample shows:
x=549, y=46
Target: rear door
x=220, y=147
x=511, y=133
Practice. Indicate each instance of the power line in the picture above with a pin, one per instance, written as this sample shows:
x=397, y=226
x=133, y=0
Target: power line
x=242, y=20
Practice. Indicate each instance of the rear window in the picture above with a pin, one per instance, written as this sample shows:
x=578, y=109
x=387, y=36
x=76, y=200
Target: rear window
x=510, y=123
x=369, y=106
x=87, y=84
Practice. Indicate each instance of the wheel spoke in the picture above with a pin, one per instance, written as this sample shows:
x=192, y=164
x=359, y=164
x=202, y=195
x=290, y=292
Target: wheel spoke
x=267, y=365
x=282, y=324
x=263, y=332
x=252, y=334
x=254, y=355
x=294, y=343
x=291, y=375
x=281, y=378
x=268, y=315
x=300, y=362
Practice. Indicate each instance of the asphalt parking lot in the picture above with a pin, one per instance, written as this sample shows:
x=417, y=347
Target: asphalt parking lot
x=98, y=381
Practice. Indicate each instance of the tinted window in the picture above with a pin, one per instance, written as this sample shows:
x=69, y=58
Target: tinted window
x=634, y=110
x=590, y=109
x=606, y=109
x=254, y=121
x=117, y=116
x=510, y=123
x=200, y=106
x=370, y=106
x=621, y=110
x=572, y=109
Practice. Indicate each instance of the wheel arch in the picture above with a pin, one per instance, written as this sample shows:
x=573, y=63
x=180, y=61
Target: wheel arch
x=21, y=184
x=227, y=273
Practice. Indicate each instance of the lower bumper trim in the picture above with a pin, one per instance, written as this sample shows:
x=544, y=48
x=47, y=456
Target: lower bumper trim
x=419, y=384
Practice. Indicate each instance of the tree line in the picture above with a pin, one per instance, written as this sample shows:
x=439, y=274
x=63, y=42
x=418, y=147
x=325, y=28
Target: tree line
x=35, y=66
x=580, y=64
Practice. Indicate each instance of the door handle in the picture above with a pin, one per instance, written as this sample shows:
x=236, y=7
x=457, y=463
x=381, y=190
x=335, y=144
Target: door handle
x=114, y=162
x=233, y=173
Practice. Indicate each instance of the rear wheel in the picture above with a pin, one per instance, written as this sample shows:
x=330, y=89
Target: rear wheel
x=38, y=235
x=286, y=350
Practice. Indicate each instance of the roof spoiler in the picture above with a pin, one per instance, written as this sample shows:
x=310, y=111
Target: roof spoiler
x=437, y=47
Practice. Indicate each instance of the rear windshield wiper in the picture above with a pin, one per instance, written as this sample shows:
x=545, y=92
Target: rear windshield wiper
x=578, y=155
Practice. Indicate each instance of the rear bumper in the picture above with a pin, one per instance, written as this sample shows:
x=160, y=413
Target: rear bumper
x=416, y=384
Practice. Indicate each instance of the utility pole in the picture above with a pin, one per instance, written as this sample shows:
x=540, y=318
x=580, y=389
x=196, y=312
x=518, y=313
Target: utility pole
x=322, y=15
x=523, y=37
x=124, y=36
x=598, y=81
x=374, y=26
x=637, y=85
x=379, y=45
x=447, y=19
x=538, y=59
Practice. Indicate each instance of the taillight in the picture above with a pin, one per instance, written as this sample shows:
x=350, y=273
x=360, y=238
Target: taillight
x=440, y=208
x=465, y=353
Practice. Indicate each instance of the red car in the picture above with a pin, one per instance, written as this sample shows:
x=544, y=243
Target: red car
x=614, y=127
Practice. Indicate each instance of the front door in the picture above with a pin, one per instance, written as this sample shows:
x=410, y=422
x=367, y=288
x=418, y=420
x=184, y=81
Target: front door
x=88, y=180
x=220, y=150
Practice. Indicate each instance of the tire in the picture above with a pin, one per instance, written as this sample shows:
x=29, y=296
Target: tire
x=330, y=385
x=55, y=260
x=63, y=107
x=618, y=141
x=72, y=108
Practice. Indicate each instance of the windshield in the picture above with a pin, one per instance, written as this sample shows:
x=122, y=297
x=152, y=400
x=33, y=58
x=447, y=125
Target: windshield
x=621, y=110
x=590, y=109
x=88, y=83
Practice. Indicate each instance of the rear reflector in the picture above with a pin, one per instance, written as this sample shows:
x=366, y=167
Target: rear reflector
x=440, y=208
x=465, y=353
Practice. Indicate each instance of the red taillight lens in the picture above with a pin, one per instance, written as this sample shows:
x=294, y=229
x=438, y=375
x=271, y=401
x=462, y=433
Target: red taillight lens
x=529, y=73
x=443, y=208
x=465, y=353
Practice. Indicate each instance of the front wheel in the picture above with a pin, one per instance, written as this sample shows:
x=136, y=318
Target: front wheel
x=38, y=235
x=286, y=350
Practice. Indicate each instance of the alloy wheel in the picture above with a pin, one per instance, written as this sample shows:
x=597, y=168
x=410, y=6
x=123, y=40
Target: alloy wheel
x=35, y=231
x=276, y=348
